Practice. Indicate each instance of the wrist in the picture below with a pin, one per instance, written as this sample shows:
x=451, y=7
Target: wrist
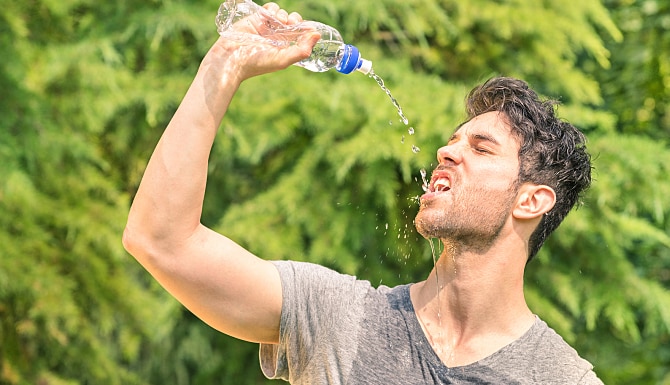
x=221, y=65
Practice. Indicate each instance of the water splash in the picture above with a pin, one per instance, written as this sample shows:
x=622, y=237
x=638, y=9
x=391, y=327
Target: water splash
x=425, y=184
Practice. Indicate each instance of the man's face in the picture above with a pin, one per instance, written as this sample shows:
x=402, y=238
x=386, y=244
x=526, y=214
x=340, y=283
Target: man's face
x=473, y=189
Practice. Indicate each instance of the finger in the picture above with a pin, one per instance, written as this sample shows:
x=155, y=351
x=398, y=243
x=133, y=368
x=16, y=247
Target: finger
x=282, y=16
x=302, y=49
x=294, y=18
x=272, y=7
x=307, y=41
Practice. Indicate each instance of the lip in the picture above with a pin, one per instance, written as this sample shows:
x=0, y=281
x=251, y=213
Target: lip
x=432, y=194
x=429, y=195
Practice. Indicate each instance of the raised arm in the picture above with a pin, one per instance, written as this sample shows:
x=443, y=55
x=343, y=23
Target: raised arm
x=225, y=285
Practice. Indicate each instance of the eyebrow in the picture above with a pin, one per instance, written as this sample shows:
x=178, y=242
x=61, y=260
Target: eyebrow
x=477, y=137
x=486, y=138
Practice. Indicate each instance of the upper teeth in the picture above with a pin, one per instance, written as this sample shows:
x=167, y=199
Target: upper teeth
x=442, y=184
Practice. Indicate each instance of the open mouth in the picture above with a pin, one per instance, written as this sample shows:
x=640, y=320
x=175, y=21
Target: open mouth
x=440, y=184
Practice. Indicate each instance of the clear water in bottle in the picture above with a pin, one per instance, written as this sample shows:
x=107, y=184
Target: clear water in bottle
x=326, y=54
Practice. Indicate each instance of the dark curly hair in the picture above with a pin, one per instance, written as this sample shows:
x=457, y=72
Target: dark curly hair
x=552, y=152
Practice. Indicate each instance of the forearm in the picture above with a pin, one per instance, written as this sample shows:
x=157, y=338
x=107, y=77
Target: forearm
x=168, y=204
x=224, y=284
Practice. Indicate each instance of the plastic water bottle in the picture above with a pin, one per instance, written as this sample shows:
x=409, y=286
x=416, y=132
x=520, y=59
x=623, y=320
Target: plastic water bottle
x=329, y=52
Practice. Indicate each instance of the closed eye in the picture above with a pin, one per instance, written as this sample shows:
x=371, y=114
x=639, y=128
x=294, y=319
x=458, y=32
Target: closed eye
x=482, y=150
x=482, y=143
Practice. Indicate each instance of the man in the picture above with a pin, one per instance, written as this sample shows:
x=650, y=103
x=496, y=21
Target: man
x=505, y=180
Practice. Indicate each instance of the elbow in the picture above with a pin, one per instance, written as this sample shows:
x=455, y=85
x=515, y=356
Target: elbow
x=137, y=244
x=151, y=247
x=130, y=241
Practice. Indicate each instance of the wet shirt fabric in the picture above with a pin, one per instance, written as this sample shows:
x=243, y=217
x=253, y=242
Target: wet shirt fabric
x=335, y=329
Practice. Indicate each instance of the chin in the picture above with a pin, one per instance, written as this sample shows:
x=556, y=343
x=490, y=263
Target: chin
x=425, y=227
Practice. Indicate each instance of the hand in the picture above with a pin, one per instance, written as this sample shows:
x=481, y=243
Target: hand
x=265, y=42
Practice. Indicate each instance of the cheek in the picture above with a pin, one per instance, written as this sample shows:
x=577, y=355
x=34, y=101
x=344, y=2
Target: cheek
x=499, y=178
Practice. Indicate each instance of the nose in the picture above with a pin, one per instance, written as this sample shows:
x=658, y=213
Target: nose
x=451, y=154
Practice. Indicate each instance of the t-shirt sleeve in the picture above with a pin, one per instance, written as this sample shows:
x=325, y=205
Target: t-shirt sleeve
x=318, y=322
x=590, y=378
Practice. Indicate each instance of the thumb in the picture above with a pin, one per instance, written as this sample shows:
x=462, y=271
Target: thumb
x=305, y=44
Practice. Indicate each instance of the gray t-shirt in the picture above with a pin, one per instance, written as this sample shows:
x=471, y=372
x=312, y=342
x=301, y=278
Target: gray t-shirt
x=335, y=329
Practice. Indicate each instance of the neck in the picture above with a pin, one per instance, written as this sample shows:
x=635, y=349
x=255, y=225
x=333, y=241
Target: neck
x=473, y=302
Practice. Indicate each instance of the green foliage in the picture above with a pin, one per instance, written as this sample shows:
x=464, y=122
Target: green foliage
x=638, y=84
x=607, y=266
x=73, y=309
x=314, y=167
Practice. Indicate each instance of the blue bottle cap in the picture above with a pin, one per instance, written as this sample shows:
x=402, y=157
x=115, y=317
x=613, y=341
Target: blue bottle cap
x=351, y=59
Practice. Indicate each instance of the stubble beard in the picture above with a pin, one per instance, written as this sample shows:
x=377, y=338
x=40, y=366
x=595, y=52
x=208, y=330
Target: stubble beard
x=466, y=224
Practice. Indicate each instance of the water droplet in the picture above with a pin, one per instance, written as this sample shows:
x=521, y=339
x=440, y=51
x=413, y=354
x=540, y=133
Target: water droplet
x=402, y=139
x=415, y=149
x=390, y=122
x=411, y=131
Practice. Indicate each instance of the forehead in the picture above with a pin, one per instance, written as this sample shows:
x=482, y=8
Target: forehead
x=492, y=125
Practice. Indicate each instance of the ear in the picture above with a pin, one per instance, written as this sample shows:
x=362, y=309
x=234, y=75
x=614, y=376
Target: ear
x=534, y=201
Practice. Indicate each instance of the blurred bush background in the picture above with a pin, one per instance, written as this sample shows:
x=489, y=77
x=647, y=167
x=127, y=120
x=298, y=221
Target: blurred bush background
x=315, y=167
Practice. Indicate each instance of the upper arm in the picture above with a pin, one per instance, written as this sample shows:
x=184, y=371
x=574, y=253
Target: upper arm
x=223, y=284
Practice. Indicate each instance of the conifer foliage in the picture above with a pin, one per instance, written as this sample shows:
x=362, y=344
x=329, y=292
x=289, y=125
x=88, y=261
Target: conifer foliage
x=314, y=167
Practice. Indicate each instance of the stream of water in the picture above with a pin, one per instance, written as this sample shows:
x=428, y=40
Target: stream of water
x=425, y=185
x=403, y=118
